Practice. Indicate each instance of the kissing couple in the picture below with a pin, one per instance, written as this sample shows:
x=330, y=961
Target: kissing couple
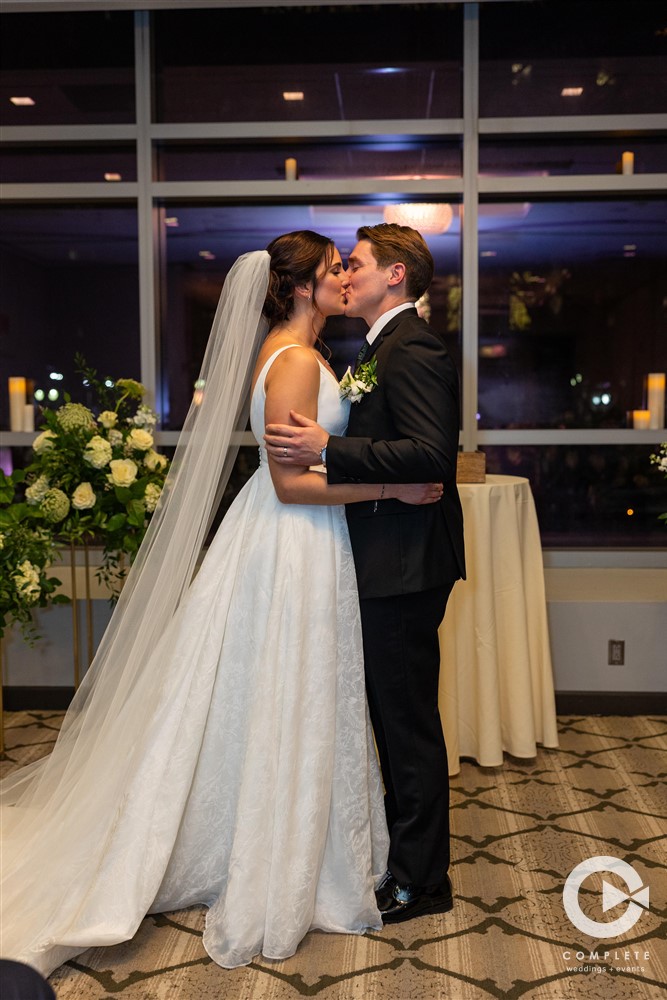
x=219, y=750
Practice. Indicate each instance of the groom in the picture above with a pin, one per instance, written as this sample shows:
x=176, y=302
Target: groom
x=405, y=429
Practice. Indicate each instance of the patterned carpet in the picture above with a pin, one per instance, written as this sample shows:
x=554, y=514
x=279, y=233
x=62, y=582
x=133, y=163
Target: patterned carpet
x=517, y=833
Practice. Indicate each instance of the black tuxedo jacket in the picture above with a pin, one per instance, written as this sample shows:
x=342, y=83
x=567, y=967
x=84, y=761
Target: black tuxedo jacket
x=406, y=430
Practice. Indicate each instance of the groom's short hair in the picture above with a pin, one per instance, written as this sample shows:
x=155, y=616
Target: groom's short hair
x=391, y=243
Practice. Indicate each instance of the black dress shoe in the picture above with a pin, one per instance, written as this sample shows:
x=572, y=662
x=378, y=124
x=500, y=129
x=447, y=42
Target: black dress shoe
x=384, y=893
x=412, y=901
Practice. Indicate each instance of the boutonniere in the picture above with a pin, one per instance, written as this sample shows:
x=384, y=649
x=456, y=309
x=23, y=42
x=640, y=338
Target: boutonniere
x=354, y=386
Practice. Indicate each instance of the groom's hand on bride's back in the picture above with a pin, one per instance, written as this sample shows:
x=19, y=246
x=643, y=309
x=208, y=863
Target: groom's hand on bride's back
x=300, y=443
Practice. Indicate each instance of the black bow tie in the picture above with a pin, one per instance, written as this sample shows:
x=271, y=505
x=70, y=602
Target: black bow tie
x=362, y=354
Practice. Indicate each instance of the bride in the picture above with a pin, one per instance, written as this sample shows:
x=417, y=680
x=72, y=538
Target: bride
x=218, y=751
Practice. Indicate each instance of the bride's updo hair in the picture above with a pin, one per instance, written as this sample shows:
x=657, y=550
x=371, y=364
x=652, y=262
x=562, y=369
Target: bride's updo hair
x=295, y=259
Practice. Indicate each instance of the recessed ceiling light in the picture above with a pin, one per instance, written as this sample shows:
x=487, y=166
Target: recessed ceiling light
x=292, y=95
x=113, y=177
x=571, y=91
x=22, y=102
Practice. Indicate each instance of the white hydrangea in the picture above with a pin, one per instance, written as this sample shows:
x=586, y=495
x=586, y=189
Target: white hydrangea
x=152, y=496
x=97, y=452
x=144, y=417
x=26, y=581
x=43, y=442
x=115, y=438
x=154, y=462
x=36, y=492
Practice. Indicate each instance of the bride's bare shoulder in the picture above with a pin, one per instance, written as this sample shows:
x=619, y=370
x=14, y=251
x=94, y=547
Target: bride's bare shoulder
x=299, y=361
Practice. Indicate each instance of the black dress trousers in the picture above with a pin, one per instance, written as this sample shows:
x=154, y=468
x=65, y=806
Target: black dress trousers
x=402, y=662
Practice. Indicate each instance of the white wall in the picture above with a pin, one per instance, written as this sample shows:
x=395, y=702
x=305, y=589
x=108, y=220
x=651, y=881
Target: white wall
x=588, y=607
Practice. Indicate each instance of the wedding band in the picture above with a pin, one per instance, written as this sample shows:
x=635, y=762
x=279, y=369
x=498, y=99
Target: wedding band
x=285, y=452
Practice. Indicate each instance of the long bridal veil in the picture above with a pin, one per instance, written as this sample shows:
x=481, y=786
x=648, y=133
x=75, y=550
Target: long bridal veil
x=59, y=813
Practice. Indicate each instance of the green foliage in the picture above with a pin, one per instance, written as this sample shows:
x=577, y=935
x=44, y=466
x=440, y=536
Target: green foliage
x=86, y=484
x=27, y=549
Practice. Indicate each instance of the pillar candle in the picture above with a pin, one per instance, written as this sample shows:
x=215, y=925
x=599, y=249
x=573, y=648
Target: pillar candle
x=655, y=397
x=640, y=419
x=628, y=162
x=290, y=169
x=16, y=403
x=29, y=418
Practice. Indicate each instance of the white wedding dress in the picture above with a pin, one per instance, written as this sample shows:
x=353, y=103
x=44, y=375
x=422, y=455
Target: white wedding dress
x=254, y=787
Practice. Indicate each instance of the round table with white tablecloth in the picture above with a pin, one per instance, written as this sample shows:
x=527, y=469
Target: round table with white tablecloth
x=496, y=684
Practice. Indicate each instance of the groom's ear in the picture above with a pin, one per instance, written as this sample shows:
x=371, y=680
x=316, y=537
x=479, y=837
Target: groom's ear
x=396, y=273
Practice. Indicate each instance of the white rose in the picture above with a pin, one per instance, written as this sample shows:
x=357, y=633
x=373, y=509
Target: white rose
x=115, y=438
x=123, y=472
x=43, y=442
x=97, y=452
x=154, y=462
x=83, y=497
x=152, y=496
x=139, y=440
x=108, y=419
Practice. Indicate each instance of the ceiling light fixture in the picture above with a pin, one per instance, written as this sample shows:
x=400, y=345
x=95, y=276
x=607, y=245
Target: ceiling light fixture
x=432, y=218
x=22, y=102
x=113, y=177
x=571, y=91
x=292, y=95
x=171, y=221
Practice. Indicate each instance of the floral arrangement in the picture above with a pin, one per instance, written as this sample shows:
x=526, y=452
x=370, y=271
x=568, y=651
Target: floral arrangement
x=98, y=478
x=659, y=459
x=27, y=549
x=354, y=386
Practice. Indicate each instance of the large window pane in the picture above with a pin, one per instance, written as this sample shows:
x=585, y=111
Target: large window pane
x=77, y=69
x=572, y=311
x=572, y=58
x=21, y=164
x=68, y=284
x=351, y=62
x=570, y=157
x=200, y=243
x=383, y=156
x=589, y=495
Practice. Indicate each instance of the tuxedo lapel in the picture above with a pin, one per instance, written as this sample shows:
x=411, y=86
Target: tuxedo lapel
x=368, y=350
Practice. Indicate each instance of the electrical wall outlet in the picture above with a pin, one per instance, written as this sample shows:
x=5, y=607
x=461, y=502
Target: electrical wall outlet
x=616, y=656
